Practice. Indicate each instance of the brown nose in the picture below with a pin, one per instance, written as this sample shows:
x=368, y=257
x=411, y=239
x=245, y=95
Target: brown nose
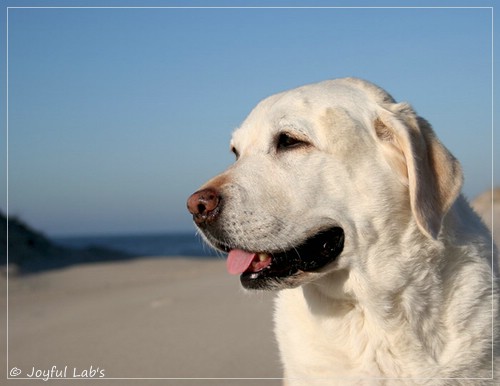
x=204, y=205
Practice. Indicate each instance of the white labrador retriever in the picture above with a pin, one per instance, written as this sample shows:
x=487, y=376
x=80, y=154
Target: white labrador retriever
x=347, y=202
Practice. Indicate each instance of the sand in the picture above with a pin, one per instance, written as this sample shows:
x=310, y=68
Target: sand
x=146, y=318
x=487, y=205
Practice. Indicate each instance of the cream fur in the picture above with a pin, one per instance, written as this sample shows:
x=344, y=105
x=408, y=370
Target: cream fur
x=411, y=300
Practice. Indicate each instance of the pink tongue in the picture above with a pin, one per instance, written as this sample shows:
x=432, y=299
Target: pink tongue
x=238, y=261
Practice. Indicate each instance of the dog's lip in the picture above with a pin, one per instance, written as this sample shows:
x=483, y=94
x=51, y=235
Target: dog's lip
x=313, y=254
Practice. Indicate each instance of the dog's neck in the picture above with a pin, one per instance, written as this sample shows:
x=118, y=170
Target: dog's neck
x=426, y=310
x=386, y=312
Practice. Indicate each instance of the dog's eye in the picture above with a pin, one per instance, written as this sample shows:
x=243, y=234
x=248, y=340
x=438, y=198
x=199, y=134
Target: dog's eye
x=285, y=141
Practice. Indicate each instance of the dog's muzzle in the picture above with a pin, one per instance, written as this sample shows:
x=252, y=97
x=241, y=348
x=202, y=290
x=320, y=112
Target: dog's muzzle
x=266, y=269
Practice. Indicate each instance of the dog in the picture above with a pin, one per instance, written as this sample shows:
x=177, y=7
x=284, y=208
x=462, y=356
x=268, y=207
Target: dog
x=347, y=203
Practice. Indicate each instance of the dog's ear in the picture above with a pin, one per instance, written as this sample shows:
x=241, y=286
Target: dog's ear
x=433, y=176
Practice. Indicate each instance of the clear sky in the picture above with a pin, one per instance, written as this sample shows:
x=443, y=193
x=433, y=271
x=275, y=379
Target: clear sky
x=116, y=115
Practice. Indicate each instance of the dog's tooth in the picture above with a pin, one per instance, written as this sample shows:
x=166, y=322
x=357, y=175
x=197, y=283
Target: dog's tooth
x=263, y=256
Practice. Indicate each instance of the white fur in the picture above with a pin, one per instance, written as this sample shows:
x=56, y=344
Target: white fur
x=411, y=300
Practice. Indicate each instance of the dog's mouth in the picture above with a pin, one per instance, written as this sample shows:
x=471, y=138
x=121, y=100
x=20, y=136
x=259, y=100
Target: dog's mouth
x=262, y=270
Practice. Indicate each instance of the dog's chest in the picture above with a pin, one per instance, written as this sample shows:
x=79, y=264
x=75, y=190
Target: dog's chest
x=340, y=342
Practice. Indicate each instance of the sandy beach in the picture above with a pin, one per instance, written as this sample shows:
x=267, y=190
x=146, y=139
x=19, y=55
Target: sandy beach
x=153, y=318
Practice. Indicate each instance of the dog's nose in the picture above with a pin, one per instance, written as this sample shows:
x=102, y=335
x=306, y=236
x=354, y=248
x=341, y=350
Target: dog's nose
x=204, y=205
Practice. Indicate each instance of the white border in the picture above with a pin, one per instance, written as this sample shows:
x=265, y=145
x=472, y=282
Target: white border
x=492, y=192
x=491, y=8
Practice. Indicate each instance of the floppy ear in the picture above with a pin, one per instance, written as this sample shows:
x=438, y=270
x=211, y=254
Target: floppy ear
x=434, y=177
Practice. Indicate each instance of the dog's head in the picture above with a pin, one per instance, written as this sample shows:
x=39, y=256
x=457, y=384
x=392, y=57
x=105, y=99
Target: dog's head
x=324, y=174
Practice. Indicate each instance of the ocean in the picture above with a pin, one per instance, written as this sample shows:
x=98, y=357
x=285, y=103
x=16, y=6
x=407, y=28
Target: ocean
x=167, y=244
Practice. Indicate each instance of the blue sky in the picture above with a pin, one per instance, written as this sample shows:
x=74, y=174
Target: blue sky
x=116, y=115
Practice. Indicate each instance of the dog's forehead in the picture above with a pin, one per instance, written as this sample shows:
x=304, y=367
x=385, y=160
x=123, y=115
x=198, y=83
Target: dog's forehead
x=302, y=108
